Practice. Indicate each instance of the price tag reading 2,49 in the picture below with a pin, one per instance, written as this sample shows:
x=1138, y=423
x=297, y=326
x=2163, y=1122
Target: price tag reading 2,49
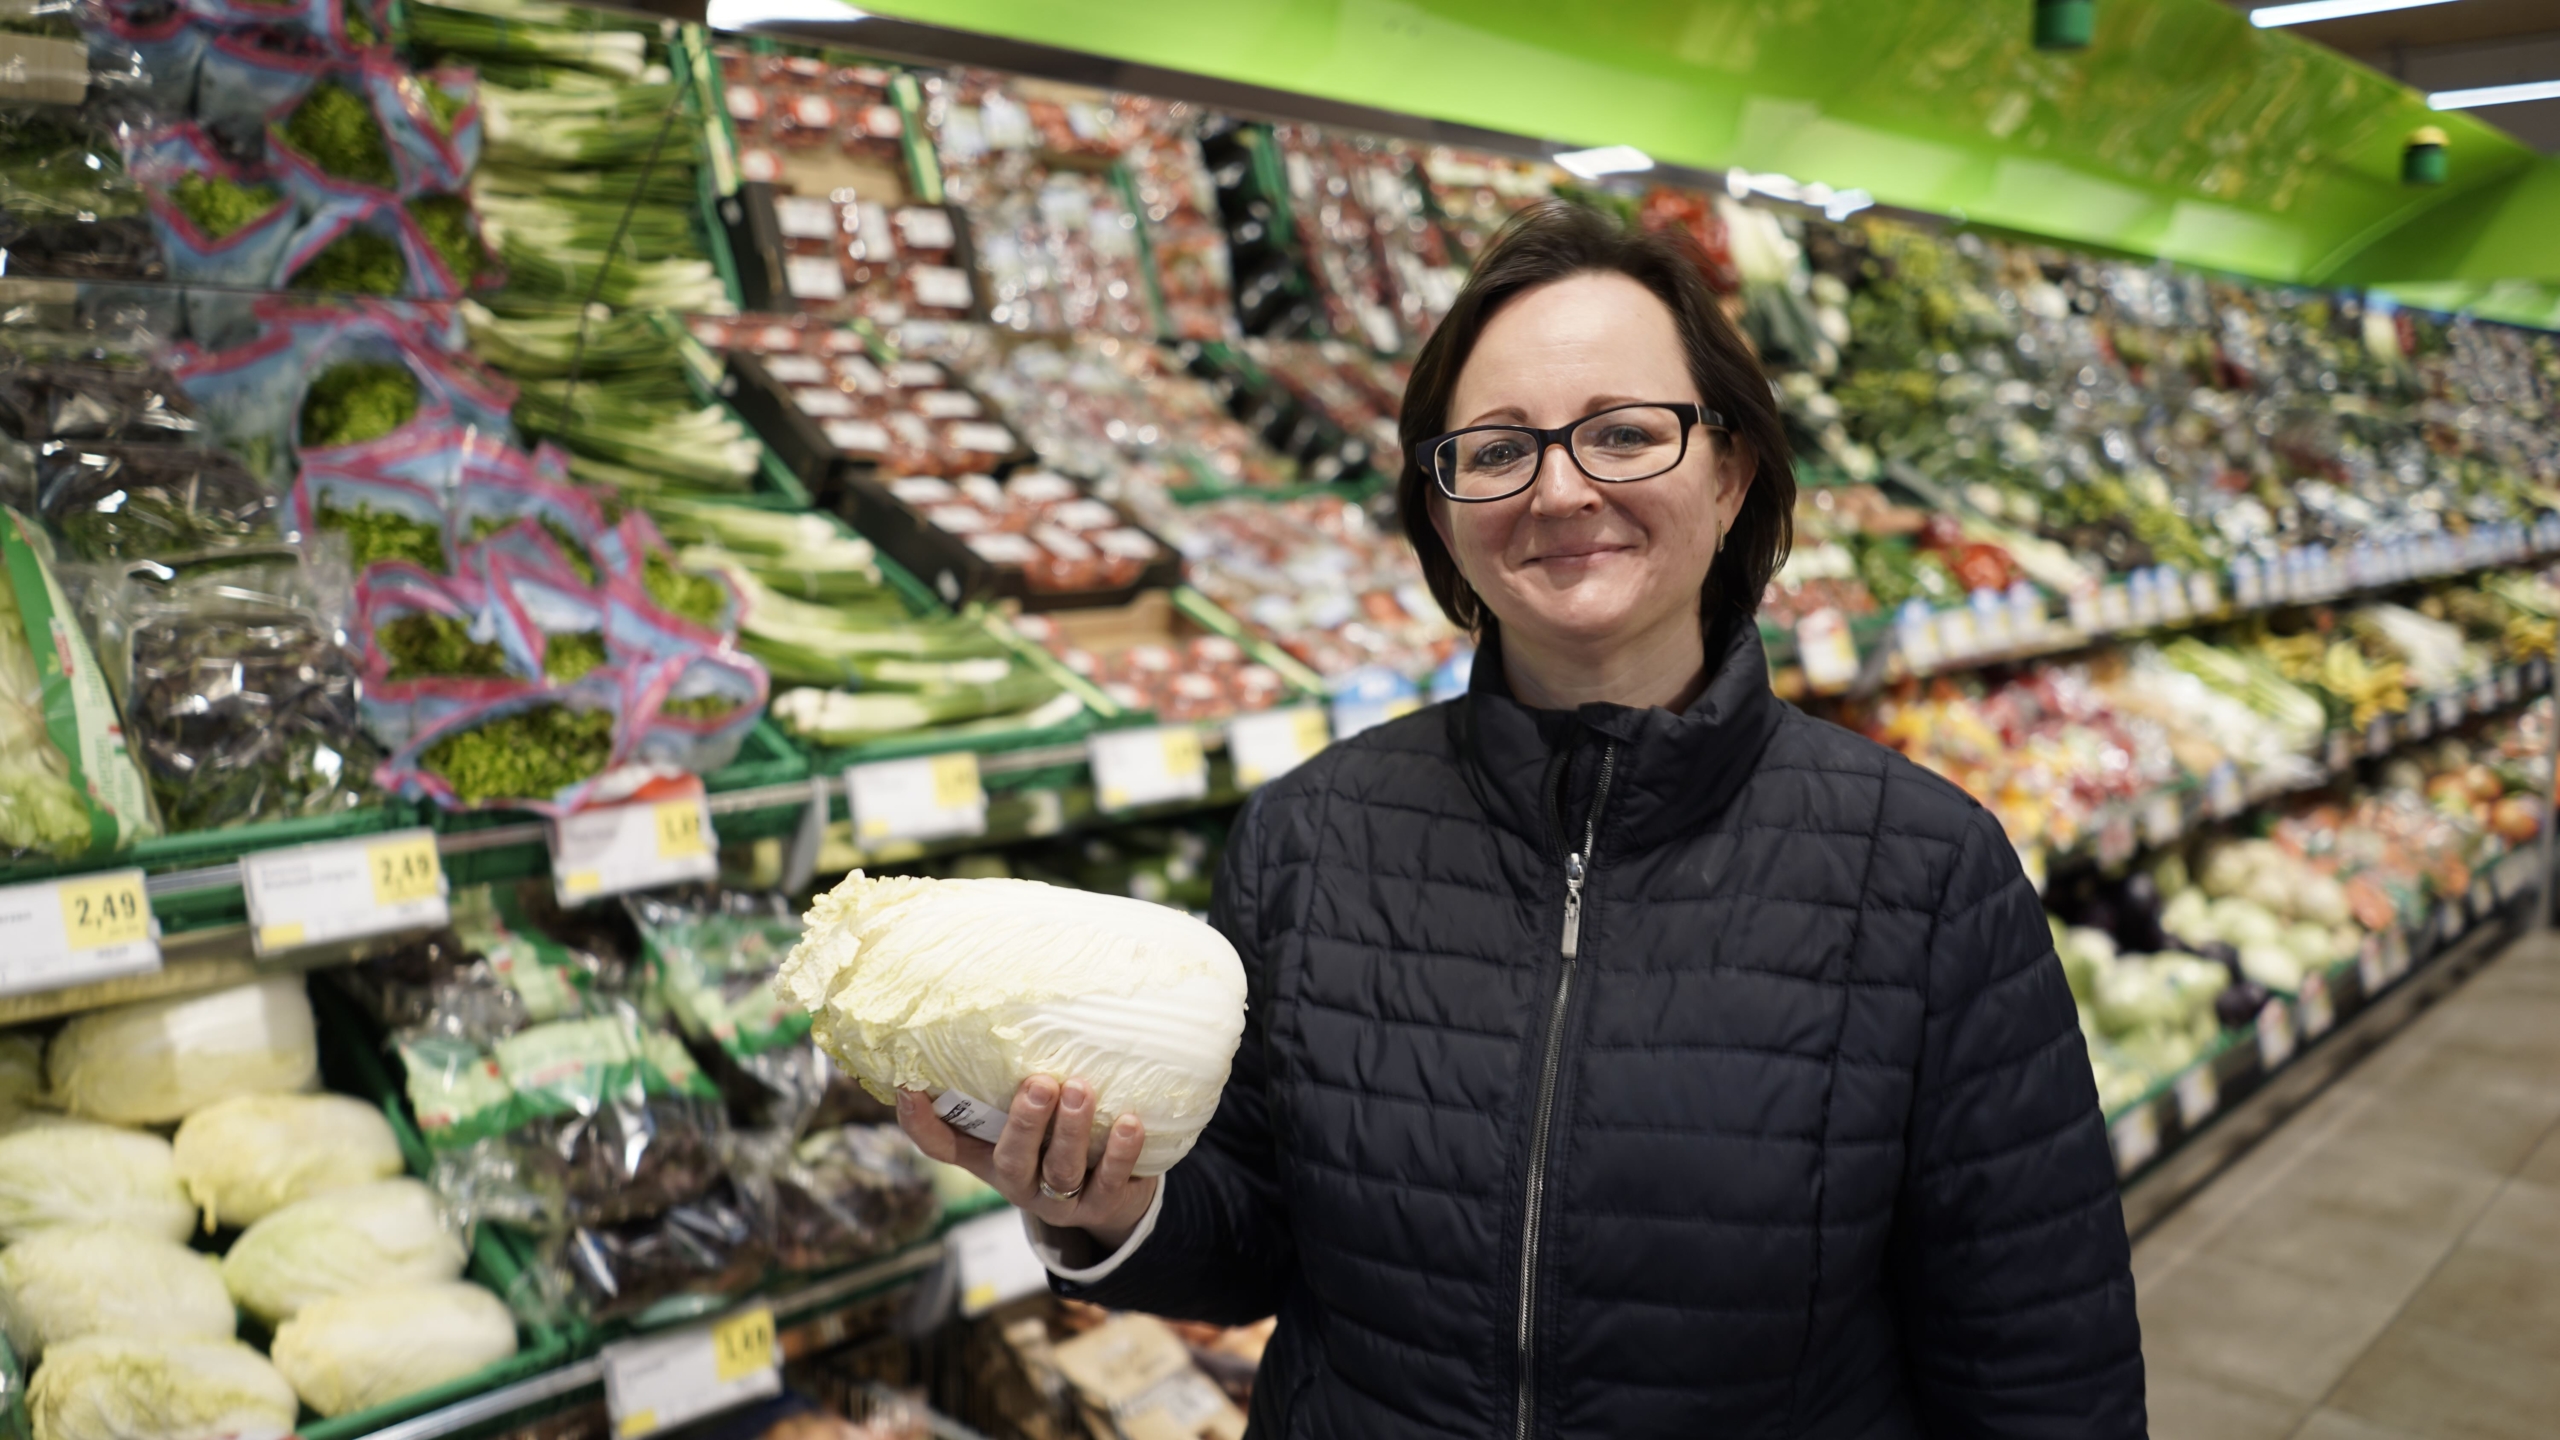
x=70, y=931
x=343, y=889
x=662, y=839
x=1147, y=767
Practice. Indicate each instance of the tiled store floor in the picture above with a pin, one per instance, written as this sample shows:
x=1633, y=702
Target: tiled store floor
x=2386, y=1265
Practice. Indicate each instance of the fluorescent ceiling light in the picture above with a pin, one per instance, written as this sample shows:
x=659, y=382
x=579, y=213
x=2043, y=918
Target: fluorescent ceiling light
x=1607, y=160
x=747, y=14
x=2494, y=95
x=2311, y=12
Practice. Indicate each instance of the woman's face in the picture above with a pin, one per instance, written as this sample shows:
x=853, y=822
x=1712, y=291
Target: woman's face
x=1570, y=561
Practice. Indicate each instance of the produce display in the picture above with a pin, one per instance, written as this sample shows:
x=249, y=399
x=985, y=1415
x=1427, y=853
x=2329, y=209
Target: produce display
x=469, y=416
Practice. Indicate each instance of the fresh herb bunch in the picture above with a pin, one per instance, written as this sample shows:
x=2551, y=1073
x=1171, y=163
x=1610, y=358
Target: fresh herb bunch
x=358, y=401
x=701, y=707
x=375, y=535
x=440, y=103
x=570, y=654
x=356, y=263
x=218, y=207
x=335, y=127
x=422, y=645
x=571, y=549
x=360, y=32
x=530, y=755
x=697, y=598
x=110, y=501
x=446, y=222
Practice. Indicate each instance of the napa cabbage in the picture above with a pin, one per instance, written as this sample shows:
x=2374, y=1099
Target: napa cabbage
x=390, y=1232
x=75, y=1280
x=244, y=1158
x=73, y=1172
x=118, y=1387
x=159, y=1061
x=369, y=1347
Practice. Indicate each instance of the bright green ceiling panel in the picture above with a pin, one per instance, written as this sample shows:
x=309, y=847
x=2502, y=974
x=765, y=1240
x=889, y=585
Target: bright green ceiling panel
x=2183, y=131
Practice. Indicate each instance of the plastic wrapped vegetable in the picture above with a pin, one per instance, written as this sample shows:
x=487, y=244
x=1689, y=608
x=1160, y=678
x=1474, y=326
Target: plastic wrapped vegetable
x=68, y=786
x=838, y=1196
x=712, y=959
x=369, y=1347
x=240, y=688
x=706, y=1246
x=74, y=1280
x=70, y=1172
x=244, y=1158
x=114, y=1387
x=391, y=1232
x=110, y=501
x=162, y=1060
x=966, y=988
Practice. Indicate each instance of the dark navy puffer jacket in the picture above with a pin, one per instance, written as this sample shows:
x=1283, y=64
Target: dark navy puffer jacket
x=1790, y=1133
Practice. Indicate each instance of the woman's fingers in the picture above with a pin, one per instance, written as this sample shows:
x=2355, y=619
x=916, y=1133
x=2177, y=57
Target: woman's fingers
x=1104, y=1192
x=1026, y=1126
x=1062, y=1165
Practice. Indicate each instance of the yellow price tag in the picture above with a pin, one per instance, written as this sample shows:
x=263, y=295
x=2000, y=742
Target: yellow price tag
x=955, y=780
x=1182, y=753
x=680, y=834
x=1308, y=725
x=281, y=937
x=639, y=1422
x=742, y=1344
x=404, y=870
x=105, y=910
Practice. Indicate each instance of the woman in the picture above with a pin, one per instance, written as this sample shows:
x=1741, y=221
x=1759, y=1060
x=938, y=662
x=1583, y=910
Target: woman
x=1627, y=1053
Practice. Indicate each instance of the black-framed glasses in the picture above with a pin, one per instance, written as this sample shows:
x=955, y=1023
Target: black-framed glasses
x=1614, y=446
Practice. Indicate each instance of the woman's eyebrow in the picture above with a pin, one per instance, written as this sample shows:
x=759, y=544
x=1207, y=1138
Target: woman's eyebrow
x=1592, y=405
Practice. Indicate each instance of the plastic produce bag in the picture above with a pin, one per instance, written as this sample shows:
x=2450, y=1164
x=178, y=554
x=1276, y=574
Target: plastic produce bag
x=706, y=1247
x=430, y=649
x=240, y=685
x=370, y=1347
x=837, y=1196
x=516, y=510
x=590, y=1120
x=111, y=1387
x=700, y=709
x=162, y=1060
x=74, y=1280
x=711, y=957
x=153, y=61
x=383, y=518
x=547, y=623
x=364, y=1237
x=245, y=78
x=68, y=785
x=245, y=1158
x=68, y=395
x=549, y=751
x=493, y=973
x=218, y=224
x=111, y=501
x=71, y=1172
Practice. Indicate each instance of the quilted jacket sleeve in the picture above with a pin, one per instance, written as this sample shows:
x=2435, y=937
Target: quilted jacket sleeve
x=1221, y=1251
x=2009, y=1255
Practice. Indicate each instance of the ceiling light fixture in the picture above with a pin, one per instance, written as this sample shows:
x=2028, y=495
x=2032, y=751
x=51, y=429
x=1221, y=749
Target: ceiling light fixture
x=1607, y=160
x=735, y=15
x=2494, y=95
x=2312, y=12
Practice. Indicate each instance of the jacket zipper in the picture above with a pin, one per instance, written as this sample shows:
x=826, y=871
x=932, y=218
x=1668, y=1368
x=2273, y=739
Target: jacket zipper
x=1577, y=871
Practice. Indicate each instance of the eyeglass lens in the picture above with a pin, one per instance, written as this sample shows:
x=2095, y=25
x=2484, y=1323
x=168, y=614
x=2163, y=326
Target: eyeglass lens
x=1635, y=442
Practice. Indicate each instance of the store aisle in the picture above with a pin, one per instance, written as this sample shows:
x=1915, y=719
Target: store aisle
x=2386, y=1265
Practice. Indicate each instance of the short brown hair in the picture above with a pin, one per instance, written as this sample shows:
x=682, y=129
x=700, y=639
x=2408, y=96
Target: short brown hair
x=1549, y=241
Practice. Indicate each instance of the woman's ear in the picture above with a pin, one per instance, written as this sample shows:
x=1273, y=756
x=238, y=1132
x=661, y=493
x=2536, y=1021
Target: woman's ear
x=1736, y=468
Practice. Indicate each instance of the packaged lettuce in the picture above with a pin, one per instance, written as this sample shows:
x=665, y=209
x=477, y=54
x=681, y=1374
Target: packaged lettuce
x=68, y=785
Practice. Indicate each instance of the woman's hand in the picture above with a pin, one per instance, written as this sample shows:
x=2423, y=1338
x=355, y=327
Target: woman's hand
x=1111, y=1200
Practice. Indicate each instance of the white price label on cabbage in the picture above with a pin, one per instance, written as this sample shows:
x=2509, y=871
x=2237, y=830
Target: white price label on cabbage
x=75, y=930
x=640, y=845
x=928, y=797
x=661, y=1381
x=1269, y=745
x=343, y=889
x=1147, y=767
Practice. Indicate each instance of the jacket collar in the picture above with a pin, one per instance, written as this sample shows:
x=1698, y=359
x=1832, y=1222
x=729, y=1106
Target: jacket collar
x=1674, y=771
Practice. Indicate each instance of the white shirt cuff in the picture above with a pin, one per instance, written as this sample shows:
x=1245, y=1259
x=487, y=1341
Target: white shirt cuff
x=1044, y=1243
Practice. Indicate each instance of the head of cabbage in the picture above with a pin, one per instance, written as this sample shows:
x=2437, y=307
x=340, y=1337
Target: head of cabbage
x=118, y=1387
x=158, y=1061
x=389, y=1232
x=72, y=1172
x=244, y=1158
x=976, y=985
x=76, y=1280
x=21, y=1071
x=370, y=1347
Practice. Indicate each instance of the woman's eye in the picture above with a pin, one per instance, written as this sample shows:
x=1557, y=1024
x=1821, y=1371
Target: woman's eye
x=1625, y=437
x=1498, y=454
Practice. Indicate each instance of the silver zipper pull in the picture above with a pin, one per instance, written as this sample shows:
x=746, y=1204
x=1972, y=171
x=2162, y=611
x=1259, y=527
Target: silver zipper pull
x=1572, y=905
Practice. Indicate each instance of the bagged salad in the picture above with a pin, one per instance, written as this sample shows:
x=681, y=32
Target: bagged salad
x=710, y=957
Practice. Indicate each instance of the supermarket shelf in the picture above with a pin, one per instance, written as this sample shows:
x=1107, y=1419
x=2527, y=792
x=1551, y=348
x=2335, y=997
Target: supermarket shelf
x=2185, y=1168
x=2111, y=616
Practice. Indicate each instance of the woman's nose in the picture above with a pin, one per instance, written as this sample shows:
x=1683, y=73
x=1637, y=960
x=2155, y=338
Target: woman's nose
x=1561, y=488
